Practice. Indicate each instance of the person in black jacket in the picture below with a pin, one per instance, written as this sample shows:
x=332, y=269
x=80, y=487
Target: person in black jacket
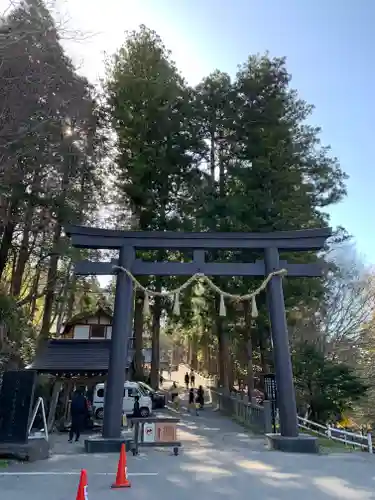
x=192, y=405
x=187, y=379
x=78, y=413
x=192, y=379
x=200, y=397
x=136, y=407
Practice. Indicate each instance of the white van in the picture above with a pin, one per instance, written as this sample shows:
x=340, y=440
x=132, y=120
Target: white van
x=131, y=389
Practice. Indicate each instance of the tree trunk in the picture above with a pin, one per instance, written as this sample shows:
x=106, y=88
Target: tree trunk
x=194, y=352
x=263, y=351
x=54, y=259
x=222, y=354
x=138, y=336
x=263, y=356
x=249, y=348
x=188, y=352
x=72, y=297
x=51, y=284
x=230, y=370
x=23, y=254
x=35, y=289
x=60, y=315
x=212, y=153
x=155, y=359
x=38, y=272
x=8, y=231
x=212, y=364
x=205, y=354
x=6, y=245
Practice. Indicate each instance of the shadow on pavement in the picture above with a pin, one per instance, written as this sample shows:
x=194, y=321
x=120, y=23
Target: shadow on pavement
x=219, y=459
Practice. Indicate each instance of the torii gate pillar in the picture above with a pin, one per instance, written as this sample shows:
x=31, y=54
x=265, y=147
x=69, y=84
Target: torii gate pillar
x=280, y=340
x=121, y=333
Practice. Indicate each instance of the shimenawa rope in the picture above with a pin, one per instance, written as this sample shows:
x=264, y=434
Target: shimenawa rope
x=200, y=277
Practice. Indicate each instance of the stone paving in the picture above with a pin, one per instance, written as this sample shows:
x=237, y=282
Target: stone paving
x=219, y=460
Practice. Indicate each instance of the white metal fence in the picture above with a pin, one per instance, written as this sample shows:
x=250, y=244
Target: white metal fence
x=362, y=441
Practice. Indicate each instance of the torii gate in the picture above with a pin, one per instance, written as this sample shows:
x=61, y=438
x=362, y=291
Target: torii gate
x=129, y=241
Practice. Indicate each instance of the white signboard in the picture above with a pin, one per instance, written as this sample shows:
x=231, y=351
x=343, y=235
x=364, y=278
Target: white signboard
x=148, y=432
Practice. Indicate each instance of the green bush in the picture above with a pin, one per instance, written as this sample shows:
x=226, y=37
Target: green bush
x=328, y=388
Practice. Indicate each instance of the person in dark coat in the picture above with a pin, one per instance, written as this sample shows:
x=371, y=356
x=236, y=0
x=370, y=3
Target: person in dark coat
x=136, y=407
x=200, y=396
x=78, y=413
x=187, y=379
x=192, y=405
x=136, y=410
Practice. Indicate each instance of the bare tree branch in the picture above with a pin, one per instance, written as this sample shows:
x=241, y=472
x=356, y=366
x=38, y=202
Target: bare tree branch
x=338, y=321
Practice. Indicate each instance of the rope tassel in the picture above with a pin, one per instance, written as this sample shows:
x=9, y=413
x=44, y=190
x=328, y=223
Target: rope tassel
x=222, y=309
x=254, y=309
x=146, y=306
x=176, y=304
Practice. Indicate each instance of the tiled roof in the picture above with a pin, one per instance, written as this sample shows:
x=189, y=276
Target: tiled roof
x=70, y=355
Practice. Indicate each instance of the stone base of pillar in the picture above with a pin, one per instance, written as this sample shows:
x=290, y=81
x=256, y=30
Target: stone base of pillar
x=300, y=444
x=35, y=449
x=99, y=444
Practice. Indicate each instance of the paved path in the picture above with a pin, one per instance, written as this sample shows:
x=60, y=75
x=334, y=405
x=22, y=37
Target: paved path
x=179, y=376
x=219, y=460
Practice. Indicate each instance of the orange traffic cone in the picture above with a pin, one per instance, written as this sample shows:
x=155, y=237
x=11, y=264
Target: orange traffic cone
x=82, y=486
x=122, y=471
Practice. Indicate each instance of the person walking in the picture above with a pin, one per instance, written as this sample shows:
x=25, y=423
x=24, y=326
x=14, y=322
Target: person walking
x=175, y=396
x=200, y=397
x=192, y=379
x=136, y=407
x=187, y=379
x=136, y=410
x=192, y=403
x=78, y=413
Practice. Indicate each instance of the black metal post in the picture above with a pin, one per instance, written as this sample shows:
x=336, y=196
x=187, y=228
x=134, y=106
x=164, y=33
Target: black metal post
x=280, y=339
x=118, y=358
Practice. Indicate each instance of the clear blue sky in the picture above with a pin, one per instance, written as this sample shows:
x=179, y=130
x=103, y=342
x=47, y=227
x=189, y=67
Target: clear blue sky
x=329, y=46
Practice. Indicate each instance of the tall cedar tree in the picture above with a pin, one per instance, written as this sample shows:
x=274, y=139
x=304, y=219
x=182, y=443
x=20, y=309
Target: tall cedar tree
x=267, y=169
x=158, y=146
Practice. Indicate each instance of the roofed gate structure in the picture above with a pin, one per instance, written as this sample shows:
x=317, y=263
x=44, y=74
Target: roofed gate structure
x=127, y=242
